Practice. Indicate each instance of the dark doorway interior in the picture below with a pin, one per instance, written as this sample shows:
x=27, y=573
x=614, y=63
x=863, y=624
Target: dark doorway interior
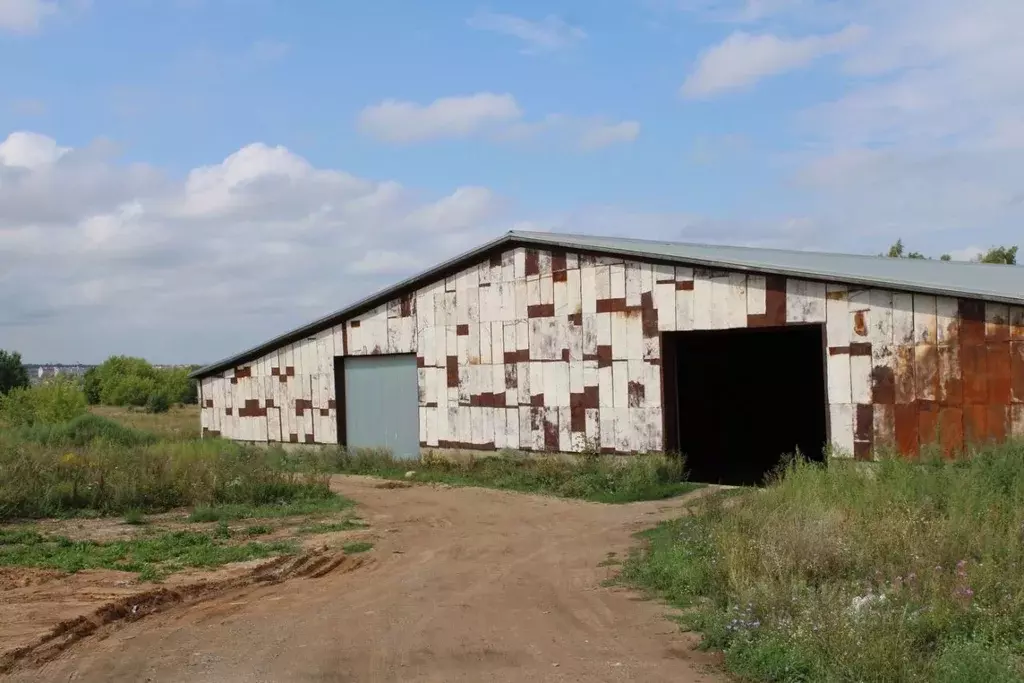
x=744, y=398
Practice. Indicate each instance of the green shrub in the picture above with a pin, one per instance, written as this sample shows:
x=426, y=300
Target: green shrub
x=81, y=432
x=157, y=403
x=897, y=571
x=54, y=401
x=127, y=381
x=41, y=479
x=12, y=372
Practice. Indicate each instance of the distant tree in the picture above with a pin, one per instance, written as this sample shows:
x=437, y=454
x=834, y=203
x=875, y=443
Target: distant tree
x=1004, y=255
x=896, y=251
x=91, y=385
x=13, y=374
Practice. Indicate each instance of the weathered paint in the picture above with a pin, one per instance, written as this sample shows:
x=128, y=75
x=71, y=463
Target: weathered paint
x=559, y=351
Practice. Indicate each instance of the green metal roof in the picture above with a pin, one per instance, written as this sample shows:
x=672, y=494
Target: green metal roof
x=946, y=278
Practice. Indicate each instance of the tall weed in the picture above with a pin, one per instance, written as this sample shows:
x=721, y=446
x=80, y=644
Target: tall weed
x=899, y=571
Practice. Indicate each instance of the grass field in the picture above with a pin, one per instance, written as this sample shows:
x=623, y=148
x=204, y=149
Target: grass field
x=177, y=424
x=904, y=572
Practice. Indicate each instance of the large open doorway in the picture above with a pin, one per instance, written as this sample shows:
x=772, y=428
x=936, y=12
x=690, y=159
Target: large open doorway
x=736, y=401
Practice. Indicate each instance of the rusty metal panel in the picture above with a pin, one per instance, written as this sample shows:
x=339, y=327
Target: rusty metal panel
x=841, y=428
x=1017, y=370
x=906, y=424
x=401, y=335
x=884, y=419
x=507, y=295
x=427, y=346
x=756, y=301
x=997, y=322
x=805, y=301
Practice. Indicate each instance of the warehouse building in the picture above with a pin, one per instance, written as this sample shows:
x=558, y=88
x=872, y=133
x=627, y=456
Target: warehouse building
x=731, y=355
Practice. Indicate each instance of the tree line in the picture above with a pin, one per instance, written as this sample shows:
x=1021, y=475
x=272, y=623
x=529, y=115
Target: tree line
x=1002, y=255
x=118, y=381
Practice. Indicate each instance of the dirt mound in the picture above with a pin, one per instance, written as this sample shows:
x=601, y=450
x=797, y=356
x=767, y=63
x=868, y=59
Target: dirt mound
x=312, y=564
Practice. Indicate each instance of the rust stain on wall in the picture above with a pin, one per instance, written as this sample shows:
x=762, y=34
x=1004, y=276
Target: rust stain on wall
x=951, y=431
x=860, y=349
x=1017, y=371
x=511, y=376
x=996, y=422
x=245, y=371
x=532, y=262
x=540, y=311
x=860, y=325
x=560, y=276
x=604, y=356
x=926, y=371
x=974, y=364
x=462, y=330
x=906, y=428
x=537, y=400
x=611, y=305
x=883, y=386
x=558, y=262
x=998, y=369
x=951, y=390
x=775, y=304
x=452, y=367
x=636, y=394
x=684, y=285
x=904, y=375
x=975, y=423
x=864, y=431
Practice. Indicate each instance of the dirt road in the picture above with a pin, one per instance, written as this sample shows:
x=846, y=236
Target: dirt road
x=463, y=585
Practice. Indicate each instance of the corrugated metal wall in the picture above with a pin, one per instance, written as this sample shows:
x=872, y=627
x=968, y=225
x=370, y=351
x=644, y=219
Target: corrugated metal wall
x=537, y=350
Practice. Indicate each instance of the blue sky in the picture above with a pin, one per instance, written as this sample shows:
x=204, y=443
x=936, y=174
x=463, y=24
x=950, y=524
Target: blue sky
x=154, y=156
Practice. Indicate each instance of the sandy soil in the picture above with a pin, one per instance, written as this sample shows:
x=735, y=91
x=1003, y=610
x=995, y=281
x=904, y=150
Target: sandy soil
x=463, y=585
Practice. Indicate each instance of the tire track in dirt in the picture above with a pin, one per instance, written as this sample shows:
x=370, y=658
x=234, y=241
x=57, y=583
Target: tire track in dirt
x=115, y=614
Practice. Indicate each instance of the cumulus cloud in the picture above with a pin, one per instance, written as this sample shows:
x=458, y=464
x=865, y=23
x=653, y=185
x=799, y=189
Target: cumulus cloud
x=487, y=115
x=743, y=59
x=445, y=117
x=545, y=35
x=25, y=16
x=100, y=257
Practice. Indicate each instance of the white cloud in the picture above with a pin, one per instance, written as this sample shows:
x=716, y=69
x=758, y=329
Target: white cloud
x=742, y=59
x=545, y=35
x=446, y=117
x=598, y=135
x=29, y=150
x=125, y=258
x=25, y=16
x=496, y=117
